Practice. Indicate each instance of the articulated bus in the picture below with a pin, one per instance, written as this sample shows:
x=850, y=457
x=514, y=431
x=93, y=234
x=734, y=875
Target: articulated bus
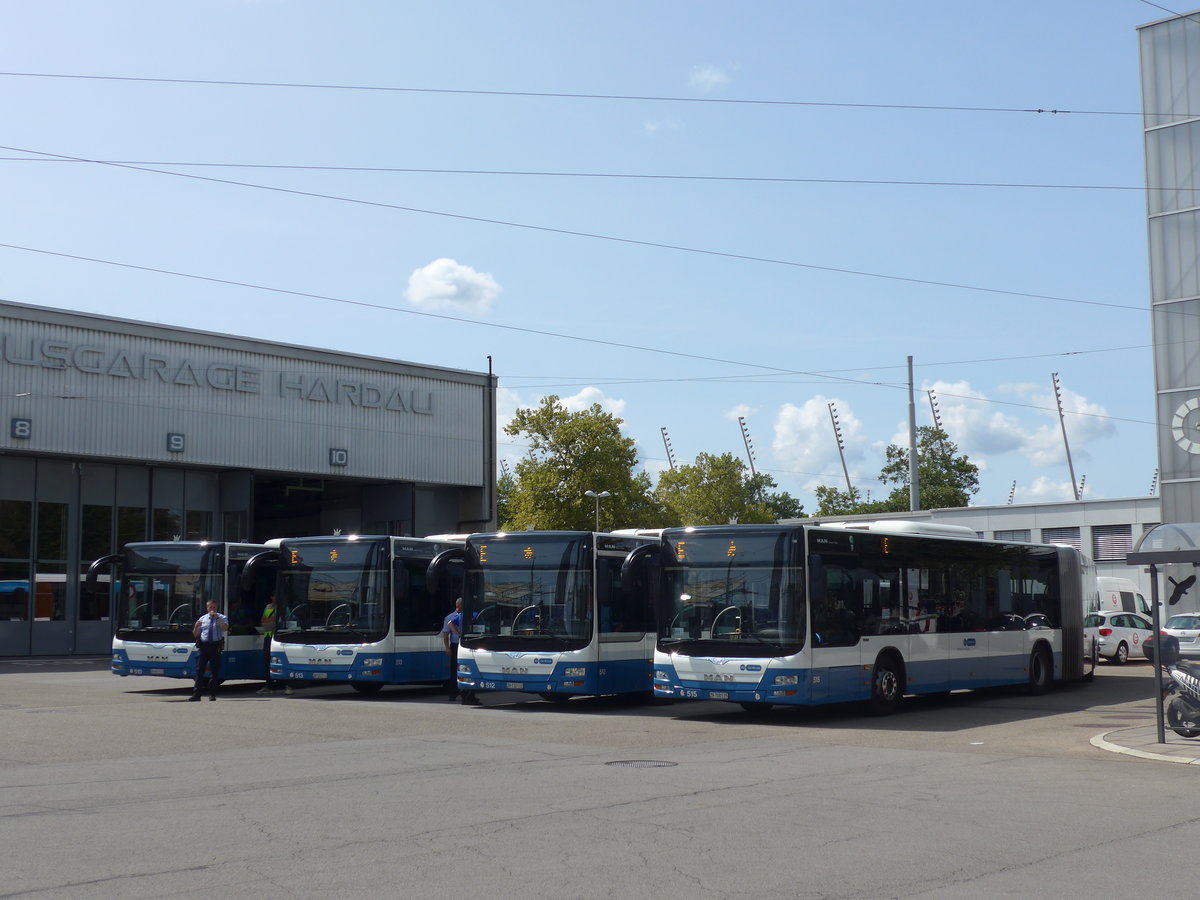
x=357, y=609
x=804, y=615
x=557, y=613
x=162, y=587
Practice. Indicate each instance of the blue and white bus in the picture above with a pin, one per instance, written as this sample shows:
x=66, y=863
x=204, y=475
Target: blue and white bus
x=162, y=587
x=805, y=615
x=357, y=609
x=557, y=613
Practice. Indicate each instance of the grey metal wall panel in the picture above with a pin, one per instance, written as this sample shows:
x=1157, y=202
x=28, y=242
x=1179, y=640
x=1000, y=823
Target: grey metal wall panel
x=90, y=387
x=1170, y=86
x=1173, y=272
x=1170, y=57
x=1172, y=167
x=1177, y=350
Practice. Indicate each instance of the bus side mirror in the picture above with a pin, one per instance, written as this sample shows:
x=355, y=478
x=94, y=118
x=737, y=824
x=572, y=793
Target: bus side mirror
x=93, y=572
x=250, y=571
x=437, y=573
x=647, y=554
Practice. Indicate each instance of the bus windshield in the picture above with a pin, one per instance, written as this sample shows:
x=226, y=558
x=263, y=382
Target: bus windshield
x=528, y=590
x=164, y=588
x=732, y=593
x=336, y=591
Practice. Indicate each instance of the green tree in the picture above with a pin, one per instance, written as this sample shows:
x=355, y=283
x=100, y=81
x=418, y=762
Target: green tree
x=716, y=489
x=944, y=480
x=506, y=485
x=571, y=453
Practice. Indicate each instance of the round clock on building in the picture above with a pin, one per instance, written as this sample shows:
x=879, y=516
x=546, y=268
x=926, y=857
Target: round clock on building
x=1185, y=426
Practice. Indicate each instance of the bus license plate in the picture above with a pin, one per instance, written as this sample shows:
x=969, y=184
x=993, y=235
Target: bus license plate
x=514, y=685
x=718, y=695
x=320, y=674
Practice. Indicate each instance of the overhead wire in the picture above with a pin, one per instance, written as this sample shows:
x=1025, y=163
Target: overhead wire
x=559, y=95
x=782, y=372
x=660, y=245
x=642, y=176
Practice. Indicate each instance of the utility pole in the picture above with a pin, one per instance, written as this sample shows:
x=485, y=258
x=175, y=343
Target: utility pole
x=914, y=488
x=1062, y=421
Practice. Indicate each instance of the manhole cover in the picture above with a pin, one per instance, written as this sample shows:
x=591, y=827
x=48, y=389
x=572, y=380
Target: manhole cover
x=642, y=763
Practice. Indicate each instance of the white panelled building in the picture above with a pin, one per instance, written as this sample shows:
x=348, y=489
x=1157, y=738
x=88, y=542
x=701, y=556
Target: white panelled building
x=116, y=431
x=1104, y=530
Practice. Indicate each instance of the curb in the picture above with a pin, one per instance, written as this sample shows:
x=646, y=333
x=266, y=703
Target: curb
x=1188, y=756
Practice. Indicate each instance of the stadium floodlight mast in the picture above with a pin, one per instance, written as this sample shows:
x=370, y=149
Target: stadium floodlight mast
x=597, y=497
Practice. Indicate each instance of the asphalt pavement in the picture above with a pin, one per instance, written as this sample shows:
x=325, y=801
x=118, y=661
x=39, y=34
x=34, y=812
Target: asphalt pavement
x=1138, y=742
x=119, y=787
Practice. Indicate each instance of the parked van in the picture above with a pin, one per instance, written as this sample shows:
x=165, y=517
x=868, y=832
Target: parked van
x=1121, y=595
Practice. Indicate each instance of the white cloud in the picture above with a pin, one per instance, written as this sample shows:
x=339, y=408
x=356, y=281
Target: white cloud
x=741, y=410
x=1044, y=489
x=590, y=395
x=805, y=443
x=1085, y=422
x=708, y=78
x=507, y=403
x=446, y=284
x=980, y=429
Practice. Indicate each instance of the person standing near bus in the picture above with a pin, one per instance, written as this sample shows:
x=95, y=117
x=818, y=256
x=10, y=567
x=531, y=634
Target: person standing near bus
x=266, y=625
x=209, y=631
x=451, y=633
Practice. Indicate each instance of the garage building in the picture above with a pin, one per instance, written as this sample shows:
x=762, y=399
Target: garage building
x=117, y=431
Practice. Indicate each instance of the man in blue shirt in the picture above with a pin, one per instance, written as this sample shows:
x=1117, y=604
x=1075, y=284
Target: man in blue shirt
x=451, y=632
x=209, y=632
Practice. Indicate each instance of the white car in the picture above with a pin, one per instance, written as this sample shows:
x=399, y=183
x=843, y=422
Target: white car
x=1185, y=627
x=1119, y=634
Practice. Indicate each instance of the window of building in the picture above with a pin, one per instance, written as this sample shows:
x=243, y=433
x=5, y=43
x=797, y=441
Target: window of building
x=1018, y=534
x=1069, y=536
x=1111, y=541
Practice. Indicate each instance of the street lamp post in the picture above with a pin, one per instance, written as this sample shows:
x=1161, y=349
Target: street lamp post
x=597, y=497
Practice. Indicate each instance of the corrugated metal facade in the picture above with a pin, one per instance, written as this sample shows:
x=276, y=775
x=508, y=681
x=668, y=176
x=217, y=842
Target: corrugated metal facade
x=90, y=387
x=1170, y=57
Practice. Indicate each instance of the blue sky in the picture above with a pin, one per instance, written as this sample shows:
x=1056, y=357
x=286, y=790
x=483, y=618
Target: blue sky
x=685, y=211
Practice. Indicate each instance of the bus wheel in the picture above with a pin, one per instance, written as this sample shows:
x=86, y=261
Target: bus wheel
x=886, y=686
x=1041, y=671
x=367, y=687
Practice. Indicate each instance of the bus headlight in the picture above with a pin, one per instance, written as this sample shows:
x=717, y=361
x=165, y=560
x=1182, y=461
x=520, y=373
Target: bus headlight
x=373, y=661
x=574, y=672
x=660, y=675
x=787, y=679
x=464, y=669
